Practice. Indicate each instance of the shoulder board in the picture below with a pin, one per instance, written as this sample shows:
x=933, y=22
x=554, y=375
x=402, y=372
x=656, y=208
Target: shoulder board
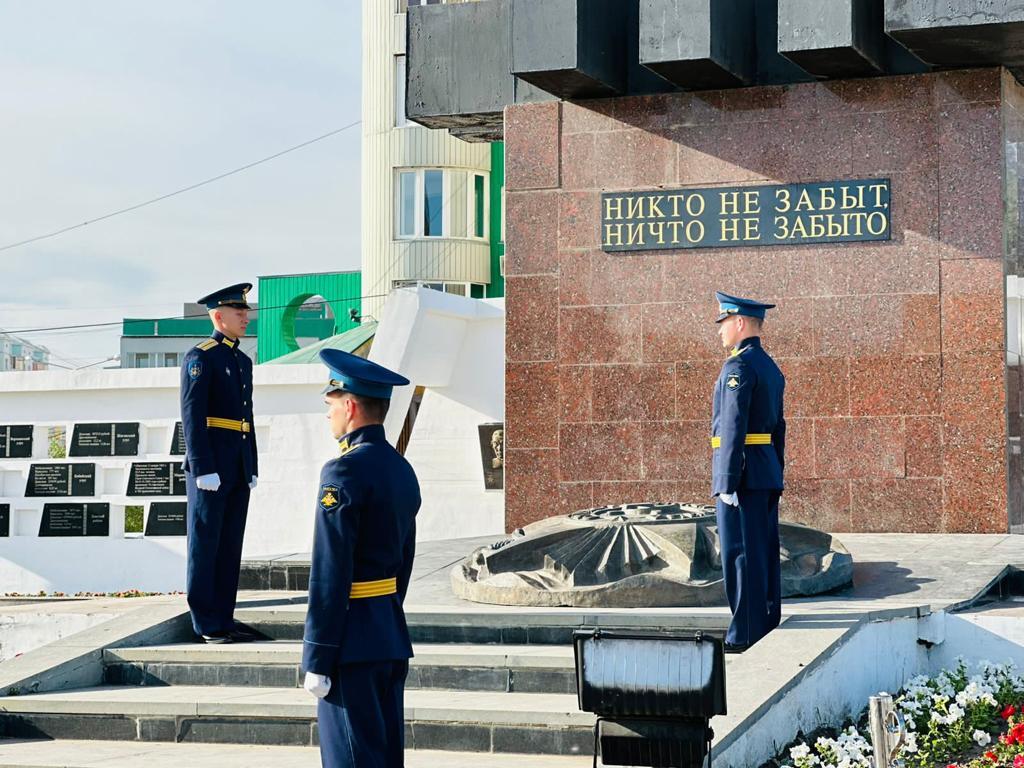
x=208, y=344
x=344, y=449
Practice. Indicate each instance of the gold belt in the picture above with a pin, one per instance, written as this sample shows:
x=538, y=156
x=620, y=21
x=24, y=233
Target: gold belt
x=232, y=424
x=754, y=438
x=373, y=588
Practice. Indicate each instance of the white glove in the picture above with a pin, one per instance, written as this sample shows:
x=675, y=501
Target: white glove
x=730, y=498
x=318, y=685
x=209, y=482
x=252, y=483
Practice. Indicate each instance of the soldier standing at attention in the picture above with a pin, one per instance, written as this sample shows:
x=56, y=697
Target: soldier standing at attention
x=748, y=444
x=220, y=464
x=356, y=647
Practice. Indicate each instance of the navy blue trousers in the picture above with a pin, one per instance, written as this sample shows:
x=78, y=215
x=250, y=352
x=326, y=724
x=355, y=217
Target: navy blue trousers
x=216, y=525
x=749, y=539
x=362, y=720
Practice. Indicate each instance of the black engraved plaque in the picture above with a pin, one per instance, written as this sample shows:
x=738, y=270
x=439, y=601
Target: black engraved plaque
x=166, y=518
x=178, y=441
x=61, y=480
x=5, y=520
x=105, y=439
x=65, y=519
x=16, y=441
x=156, y=478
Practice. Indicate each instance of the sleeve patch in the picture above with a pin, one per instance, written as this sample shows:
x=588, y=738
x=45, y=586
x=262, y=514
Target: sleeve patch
x=732, y=381
x=330, y=497
x=195, y=370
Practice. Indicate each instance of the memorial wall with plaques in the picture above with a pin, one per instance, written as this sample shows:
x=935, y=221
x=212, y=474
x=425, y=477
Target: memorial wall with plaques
x=130, y=462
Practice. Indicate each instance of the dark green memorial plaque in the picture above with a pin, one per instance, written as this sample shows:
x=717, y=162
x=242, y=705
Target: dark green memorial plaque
x=105, y=439
x=5, y=520
x=75, y=519
x=178, y=441
x=166, y=518
x=61, y=480
x=156, y=478
x=16, y=441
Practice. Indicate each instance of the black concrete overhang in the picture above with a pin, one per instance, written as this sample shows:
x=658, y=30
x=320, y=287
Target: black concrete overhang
x=468, y=61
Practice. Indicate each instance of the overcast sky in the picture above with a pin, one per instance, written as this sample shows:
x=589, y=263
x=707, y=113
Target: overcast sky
x=106, y=103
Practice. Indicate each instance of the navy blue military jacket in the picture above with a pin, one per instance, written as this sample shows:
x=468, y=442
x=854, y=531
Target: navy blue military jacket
x=365, y=531
x=216, y=382
x=748, y=422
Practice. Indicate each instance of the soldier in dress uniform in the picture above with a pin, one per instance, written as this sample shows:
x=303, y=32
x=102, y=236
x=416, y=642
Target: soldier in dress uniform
x=356, y=647
x=220, y=464
x=748, y=445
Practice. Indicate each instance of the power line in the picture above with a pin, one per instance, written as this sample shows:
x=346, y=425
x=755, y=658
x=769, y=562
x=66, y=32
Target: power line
x=181, y=191
x=258, y=309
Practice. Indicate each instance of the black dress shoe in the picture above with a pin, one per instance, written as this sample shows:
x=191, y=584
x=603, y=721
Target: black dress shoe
x=735, y=647
x=216, y=638
x=242, y=634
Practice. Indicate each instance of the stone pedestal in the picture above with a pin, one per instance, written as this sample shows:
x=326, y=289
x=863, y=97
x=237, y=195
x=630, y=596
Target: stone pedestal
x=895, y=353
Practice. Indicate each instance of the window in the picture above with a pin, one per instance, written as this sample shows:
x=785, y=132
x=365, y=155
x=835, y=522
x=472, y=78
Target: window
x=458, y=289
x=170, y=359
x=479, y=205
x=407, y=204
x=432, y=202
x=404, y=5
x=142, y=360
x=433, y=209
x=400, y=119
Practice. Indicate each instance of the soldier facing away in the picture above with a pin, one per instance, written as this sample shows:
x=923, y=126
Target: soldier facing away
x=356, y=647
x=220, y=464
x=748, y=441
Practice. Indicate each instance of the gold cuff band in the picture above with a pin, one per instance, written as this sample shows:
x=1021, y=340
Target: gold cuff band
x=379, y=588
x=232, y=424
x=754, y=438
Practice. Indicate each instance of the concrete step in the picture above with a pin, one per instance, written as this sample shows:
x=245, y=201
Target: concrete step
x=534, y=723
x=504, y=625
x=16, y=753
x=507, y=668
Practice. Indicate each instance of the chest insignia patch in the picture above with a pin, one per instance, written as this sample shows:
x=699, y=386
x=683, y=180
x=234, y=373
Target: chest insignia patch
x=733, y=381
x=227, y=370
x=329, y=497
x=195, y=370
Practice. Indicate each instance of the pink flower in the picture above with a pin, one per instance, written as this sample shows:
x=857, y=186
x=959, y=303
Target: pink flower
x=1018, y=761
x=1007, y=713
x=992, y=756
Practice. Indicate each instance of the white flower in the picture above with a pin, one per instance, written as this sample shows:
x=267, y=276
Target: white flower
x=910, y=723
x=955, y=713
x=981, y=738
x=799, y=751
x=910, y=745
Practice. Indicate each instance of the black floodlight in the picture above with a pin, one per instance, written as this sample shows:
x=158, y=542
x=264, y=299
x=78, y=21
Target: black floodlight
x=653, y=694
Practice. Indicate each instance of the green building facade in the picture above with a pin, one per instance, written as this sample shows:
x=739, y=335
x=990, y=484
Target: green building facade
x=497, y=223
x=282, y=296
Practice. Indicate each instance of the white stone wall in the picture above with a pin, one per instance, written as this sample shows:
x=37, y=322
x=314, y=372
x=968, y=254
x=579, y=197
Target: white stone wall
x=452, y=346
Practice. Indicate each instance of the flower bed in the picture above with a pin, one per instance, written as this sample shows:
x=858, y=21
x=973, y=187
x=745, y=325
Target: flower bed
x=954, y=720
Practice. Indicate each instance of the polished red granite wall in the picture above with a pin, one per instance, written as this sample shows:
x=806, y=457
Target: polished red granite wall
x=893, y=352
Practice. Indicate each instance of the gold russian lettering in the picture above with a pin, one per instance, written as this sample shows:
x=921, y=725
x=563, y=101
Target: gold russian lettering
x=882, y=222
x=676, y=200
x=654, y=207
x=675, y=226
x=799, y=228
x=730, y=229
x=781, y=228
x=730, y=202
x=635, y=234
x=835, y=229
x=858, y=221
x=782, y=202
x=816, y=220
x=851, y=201
x=657, y=231
x=636, y=208
x=752, y=202
x=878, y=189
x=613, y=234
x=613, y=207
x=804, y=203
x=698, y=209
x=828, y=199
x=751, y=228
x=694, y=231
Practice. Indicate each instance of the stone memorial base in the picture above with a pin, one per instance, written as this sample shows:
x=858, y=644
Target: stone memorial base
x=635, y=556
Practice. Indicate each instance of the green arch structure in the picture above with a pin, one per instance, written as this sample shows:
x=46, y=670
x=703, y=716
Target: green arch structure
x=281, y=296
